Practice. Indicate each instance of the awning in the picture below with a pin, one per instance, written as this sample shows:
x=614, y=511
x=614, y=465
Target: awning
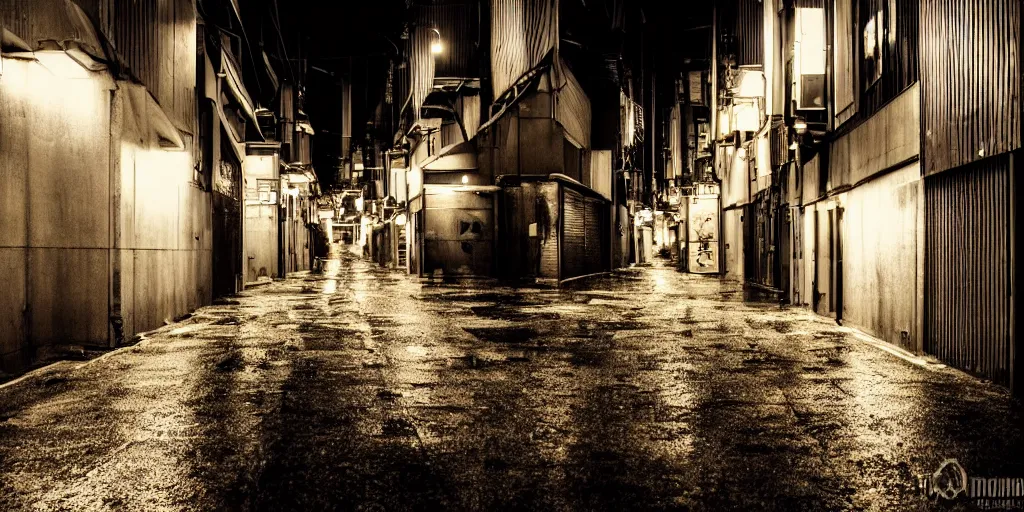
x=234, y=80
x=152, y=123
x=43, y=22
x=456, y=157
x=434, y=189
x=10, y=41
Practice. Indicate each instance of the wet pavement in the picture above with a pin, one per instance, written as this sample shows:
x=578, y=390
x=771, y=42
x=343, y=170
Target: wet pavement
x=362, y=389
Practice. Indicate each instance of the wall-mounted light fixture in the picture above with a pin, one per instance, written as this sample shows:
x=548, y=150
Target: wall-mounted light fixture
x=800, y=125
x=436, y=47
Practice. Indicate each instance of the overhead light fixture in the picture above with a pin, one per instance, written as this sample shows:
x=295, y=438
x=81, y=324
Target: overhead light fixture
x=465, y=179
x=436, y=47
x=800, y=125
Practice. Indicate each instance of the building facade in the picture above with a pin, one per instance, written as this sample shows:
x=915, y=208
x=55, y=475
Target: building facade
x=874, y=182
x=128, y=145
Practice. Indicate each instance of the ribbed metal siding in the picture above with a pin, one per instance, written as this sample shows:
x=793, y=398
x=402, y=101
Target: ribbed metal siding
x=522, y=33
x=458, y=23
x=421, y=66
x=967, y=269
x=970, y=80
x=573, y=106
x=584, y=245
x=750, y=32
x=574, y=234
x=156, y=41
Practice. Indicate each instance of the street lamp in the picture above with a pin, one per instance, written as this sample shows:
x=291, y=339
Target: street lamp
x=436, y=47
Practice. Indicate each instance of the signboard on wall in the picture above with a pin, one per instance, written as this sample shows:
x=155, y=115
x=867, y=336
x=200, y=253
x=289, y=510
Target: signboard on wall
x=703, y=237
x=696, y=87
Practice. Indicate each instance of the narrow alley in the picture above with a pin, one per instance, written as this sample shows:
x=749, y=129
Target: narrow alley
x=373, y=390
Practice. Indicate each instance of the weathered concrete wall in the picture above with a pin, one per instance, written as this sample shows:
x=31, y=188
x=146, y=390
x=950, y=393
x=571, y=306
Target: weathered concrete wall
x=880, y=255
x=54, y=189
x=458, y=232
x=888, y=138
x=165, y=246
x=878, y=233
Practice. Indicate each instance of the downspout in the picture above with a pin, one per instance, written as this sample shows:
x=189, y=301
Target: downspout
x=713, y=101
x=116, y=334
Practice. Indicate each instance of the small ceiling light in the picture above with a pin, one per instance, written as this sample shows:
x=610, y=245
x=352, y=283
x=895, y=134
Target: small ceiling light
x=436, y=47
x=800, y=126
x=465, y=179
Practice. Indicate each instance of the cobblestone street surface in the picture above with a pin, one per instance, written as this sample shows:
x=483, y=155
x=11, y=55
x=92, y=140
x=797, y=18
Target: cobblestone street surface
x=365, y=389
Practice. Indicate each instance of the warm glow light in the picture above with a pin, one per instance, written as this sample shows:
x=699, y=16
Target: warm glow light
x=465, y=179
x=436, y=47
x=811, y=46
x=748, y=117
x=809, y=64
x=751, y=84
x=400, y=219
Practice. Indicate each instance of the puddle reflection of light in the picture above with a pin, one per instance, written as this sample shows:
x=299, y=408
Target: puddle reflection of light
x=330, y=287
x=416, y=350
x=660, y=283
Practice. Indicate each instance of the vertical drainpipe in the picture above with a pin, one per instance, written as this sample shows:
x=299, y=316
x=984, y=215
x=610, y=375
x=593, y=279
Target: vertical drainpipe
x=116, y=332
x=1015, y=379
x=713, y=102
x=27, y=344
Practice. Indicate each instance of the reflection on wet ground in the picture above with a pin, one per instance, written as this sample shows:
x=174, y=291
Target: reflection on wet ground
x=364, y=389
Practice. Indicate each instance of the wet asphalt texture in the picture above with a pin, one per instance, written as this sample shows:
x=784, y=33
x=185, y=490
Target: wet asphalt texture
x=363, y=389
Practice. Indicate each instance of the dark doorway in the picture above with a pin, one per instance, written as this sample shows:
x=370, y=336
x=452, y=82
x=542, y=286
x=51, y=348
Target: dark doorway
x=227, y=223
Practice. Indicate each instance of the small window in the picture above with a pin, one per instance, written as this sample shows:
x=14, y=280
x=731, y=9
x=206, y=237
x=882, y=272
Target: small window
x=874, y=38
x=809, y=64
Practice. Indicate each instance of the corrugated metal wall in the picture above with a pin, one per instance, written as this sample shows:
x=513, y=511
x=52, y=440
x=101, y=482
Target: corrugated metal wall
x=967, y=268
x=584, y=246
x=574, y=234
x=572, y=108
x=750, y=32
x=457, y=21
x=522, y=33
x=421, y=66
x=156, y=41
x=970, y=78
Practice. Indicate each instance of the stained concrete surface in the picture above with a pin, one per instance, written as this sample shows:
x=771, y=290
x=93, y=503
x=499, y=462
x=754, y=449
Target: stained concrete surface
x=362, y=389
